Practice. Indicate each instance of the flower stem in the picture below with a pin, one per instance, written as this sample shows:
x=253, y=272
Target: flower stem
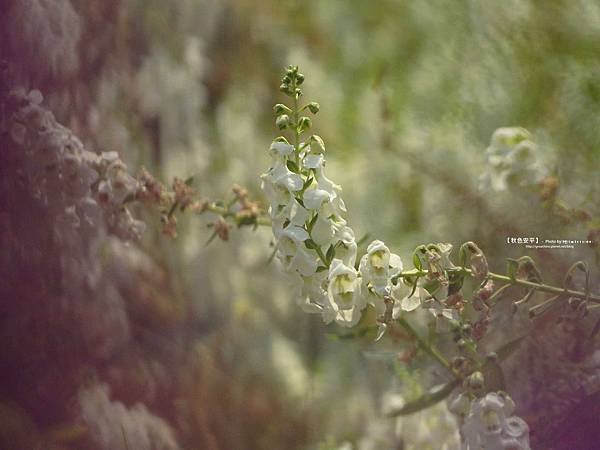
x=515, y=282
x=428, y=348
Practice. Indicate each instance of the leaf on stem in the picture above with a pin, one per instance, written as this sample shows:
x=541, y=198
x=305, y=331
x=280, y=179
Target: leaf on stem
x=433, y=396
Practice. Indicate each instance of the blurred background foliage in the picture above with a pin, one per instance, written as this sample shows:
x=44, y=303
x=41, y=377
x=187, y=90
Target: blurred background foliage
x=410, y=94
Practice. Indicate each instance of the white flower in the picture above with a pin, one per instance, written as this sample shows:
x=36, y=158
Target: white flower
x=378, y=266
x=280, y=149
x=310, y=291
x=314, y=161
x=487, y=425
x=511, y=159
x=404, y=301
x=295, y=213
x=343, y=289
x=278, y=184
x=284, y=177
x=292, y=252
x=335, y=206
x=314, y=198
x=346, y=251
x=347, y=317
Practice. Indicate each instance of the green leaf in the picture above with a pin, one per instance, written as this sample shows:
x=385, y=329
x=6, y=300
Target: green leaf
x=321, y=268
x=462, y=254
x=307, y=183
x=330, y=254
x=417, y=262
x=211, y=238
x=292, y=166
x=433, y=396
x=357, y=333
x=310, y=244
x=312, y=222
x=190, y=181
x=512, y=265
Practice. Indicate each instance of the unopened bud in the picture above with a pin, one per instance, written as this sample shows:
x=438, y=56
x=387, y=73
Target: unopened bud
x=314, y=107
x=280, y=108
x=283, y=121
x=304, y=124
x=475, y=381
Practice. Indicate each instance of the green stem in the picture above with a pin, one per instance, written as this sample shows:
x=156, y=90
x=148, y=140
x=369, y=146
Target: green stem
x=220, y=210
x=424, y=345
x=295, y=116
x=515, y=282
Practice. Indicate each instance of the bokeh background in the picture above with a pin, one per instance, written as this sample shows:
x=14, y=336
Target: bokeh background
x=216, y=355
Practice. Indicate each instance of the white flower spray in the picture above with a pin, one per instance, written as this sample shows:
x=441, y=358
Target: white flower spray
x=315, y=245
x=318, y=252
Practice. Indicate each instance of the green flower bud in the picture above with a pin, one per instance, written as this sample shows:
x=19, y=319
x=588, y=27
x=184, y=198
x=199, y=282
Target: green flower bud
x=304, y=124
x=313, y=107
x=283, y=121
x=287, y=79
x=280, y=108
x=284, y=88
x=299, y=79
x=475, y=381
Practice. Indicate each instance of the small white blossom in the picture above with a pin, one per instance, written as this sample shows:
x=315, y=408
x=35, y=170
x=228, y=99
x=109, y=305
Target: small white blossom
x=378, y=266
x=281, y=149
x=344, y=286
x=293, y=253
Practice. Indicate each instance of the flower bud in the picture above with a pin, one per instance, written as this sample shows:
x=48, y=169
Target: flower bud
x=280, y=108
x=313, y=107
x=299, y=79
x=283, y=121
x=475, y=381
x=304, y=124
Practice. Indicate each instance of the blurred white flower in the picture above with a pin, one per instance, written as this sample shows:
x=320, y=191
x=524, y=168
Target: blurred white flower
x=512, y=160
x=489, y=425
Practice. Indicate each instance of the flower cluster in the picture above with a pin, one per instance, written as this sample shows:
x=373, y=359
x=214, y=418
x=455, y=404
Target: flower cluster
x=315, y=245
x=488, y=422
x=511, y=160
